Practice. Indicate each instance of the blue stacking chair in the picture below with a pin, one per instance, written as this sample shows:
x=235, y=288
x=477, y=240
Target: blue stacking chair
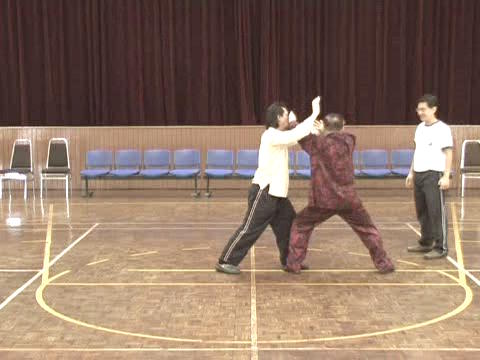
x=303, y=165
x=375, y=163
x=219, y=166
x=247, y=163
x=357, y=165
x=127, y=163
x=99, y=163
x=156, y=163
x=401, y=161
x=291, y=163
x=186, y=163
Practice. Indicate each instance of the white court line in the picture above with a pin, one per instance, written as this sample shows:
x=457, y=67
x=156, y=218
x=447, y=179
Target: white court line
x=466, y=272
x=18, y=270
x=40, y=273
x=454, y=263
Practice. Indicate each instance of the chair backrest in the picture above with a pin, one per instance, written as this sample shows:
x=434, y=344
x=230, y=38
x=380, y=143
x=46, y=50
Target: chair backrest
x=357, y=163
x=100, y=159
x=247, y=159
x=130, y=159
x=22, y=155
x=156, y=158
x=402, y=158
x=303, y=160
x=374, y=158
x=220, y=159
x=186, y=158
x=58, y=153
x=470, y=154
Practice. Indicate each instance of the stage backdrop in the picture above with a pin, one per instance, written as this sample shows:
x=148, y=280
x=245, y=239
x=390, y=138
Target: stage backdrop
x=220, y=62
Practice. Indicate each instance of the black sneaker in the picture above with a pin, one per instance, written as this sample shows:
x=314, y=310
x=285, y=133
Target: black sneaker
x=420, y=249
x=435, y=254
x=227, y=269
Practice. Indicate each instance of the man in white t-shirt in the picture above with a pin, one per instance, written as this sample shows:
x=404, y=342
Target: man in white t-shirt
x=430, y=177
x=268, y=202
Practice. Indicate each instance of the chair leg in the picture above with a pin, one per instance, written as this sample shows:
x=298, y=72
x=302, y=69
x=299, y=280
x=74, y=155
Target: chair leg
x=1, y=187
x=463, y=185
x=196, y=193
x=208, y=193
x=41, y=187
x=25, y=189
x=66, y=187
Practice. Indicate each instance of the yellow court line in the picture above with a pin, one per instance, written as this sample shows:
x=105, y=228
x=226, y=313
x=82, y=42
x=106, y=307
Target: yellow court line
x=407, y=262
x=33, y=241
x=253, y=307
x=198, y=248
x=97, y=262
x=457, y=310
x=221, y=349
x=282, y=271
x=48, y=243
x=41, y=301
x=458, y=246
x=354, y=253
x=144, y=253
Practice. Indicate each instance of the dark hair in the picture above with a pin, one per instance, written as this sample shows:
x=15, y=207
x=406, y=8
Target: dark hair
x=273, y=112
x=431, y=100
x=334, y=122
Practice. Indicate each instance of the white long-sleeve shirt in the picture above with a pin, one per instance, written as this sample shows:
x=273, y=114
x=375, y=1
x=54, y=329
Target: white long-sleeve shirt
x=273, y=157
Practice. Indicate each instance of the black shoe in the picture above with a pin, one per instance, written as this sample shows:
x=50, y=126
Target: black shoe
x=420, y=249
x=435, y=254
x=227, y=269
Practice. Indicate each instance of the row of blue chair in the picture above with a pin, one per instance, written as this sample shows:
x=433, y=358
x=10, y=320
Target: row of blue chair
x=154, y=164
x=222, y=164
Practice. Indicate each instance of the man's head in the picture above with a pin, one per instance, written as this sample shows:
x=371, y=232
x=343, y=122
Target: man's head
x=333, y=122
x=427, y=107
x=276, y=116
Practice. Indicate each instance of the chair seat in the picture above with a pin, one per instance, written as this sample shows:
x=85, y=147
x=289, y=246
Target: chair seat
x=218, y=173
x=291, y=172
x=376, y=172
x=56, y=170
x=94, y=173
x=124, y=172
x=357, y=172
x=17, y=170
x=154, y=173
x=245, y=173
x=401, y=171
x=185, y=173
x=304, y=173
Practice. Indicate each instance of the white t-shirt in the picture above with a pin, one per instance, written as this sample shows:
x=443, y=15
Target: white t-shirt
x=430, y=141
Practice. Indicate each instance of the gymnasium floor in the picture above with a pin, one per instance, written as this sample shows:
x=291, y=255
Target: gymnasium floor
x=132, y=278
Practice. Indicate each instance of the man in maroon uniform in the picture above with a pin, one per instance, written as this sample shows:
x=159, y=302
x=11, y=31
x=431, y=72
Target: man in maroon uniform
x=332, y=193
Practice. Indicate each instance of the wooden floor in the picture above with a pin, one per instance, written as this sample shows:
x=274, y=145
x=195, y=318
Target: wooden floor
x=118, y=277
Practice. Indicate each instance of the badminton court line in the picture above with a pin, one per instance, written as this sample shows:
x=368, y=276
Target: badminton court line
x=47, y=265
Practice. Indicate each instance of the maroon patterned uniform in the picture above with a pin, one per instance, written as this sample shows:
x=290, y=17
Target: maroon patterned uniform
x=332, y=193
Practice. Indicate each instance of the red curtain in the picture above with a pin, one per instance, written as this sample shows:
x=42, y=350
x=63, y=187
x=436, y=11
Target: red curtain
x=221, y=62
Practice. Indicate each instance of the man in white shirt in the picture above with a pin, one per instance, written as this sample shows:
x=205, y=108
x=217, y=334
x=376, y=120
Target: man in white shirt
x=430, y=177
x=268, y=203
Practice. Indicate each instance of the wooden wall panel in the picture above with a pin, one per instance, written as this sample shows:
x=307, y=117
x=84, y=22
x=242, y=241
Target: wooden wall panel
x=82, y=139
